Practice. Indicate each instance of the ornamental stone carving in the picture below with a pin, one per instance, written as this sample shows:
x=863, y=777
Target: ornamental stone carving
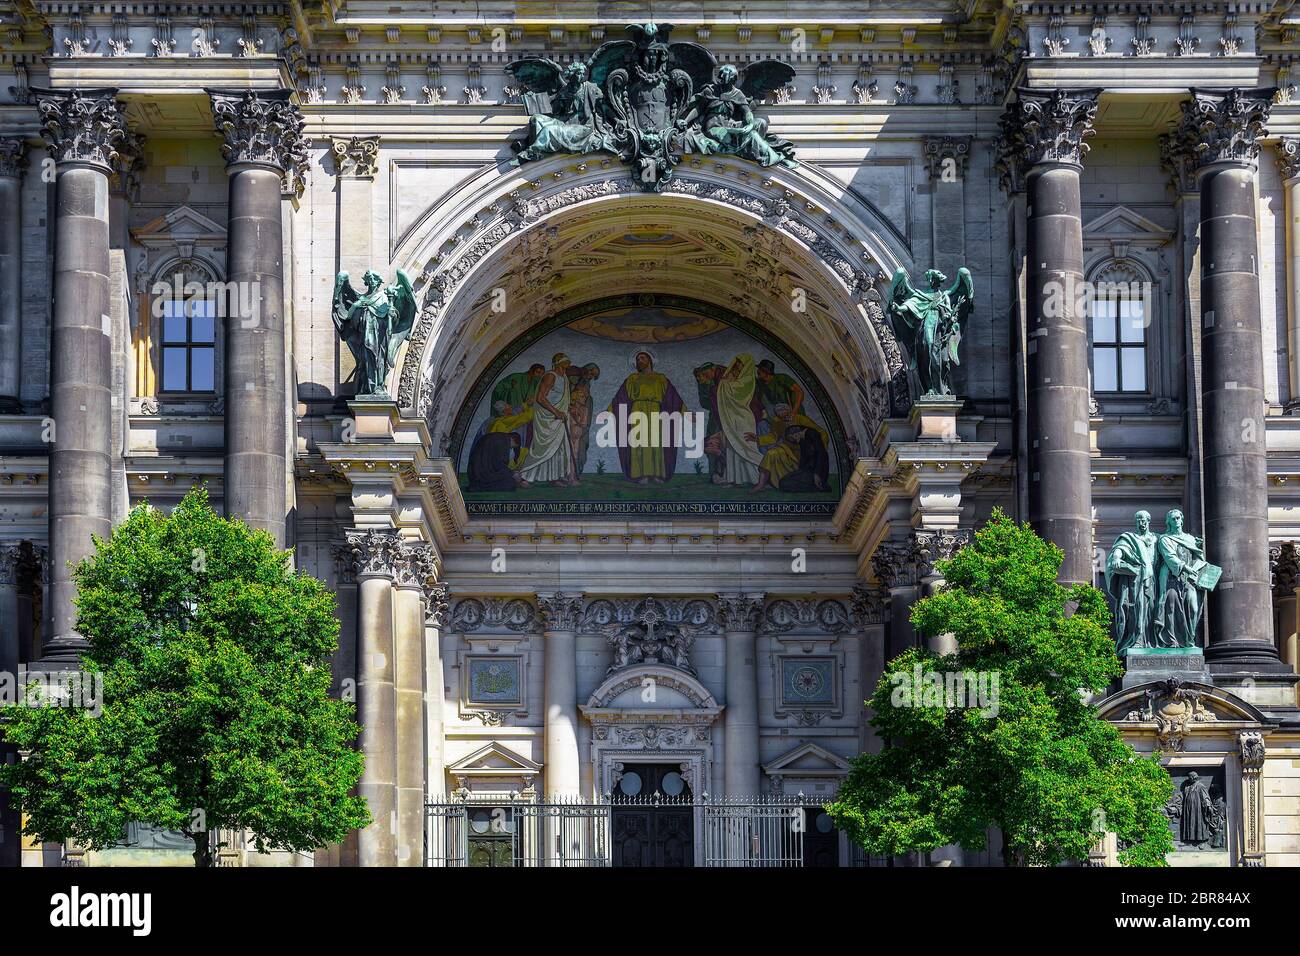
x=373, y=553
x=416, y=564
x=1251, y=751
x=740, y=612
x=896, y=563
x=650, y=630
x=932, y=546
x=1284, y=562
x=559, y=611
x=1224, y=127
x=356, y=157
x=1046, y=127
x=946, y=157
x=493, y=614
x=81, y=126
x=263, y=127
x=12, y=557
x=1288, y=157
x=437, y=604
x=1173, y=707
x=13, y=158
x=826, y=616
x=867, y=606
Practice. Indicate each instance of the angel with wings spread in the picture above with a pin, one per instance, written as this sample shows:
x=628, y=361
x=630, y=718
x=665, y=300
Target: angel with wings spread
x=929, y=325
x=566, y=109
x=727, y=123
x=374, y=323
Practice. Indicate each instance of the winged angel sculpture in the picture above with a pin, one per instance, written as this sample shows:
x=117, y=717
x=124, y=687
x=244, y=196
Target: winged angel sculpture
x=929, y=325
x=650, y=101
x=374, y=323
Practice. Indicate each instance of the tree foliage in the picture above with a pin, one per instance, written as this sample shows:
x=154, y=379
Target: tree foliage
x=1039, y=764
x=215, y=699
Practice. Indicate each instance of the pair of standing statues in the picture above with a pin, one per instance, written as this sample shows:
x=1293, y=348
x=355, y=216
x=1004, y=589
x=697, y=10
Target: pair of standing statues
x=1157, y=585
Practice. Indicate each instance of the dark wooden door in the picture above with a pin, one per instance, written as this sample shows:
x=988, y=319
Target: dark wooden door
x=647, y=833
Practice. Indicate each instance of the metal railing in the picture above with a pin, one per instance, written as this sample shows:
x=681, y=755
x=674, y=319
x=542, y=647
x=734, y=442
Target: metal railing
x=472, y=830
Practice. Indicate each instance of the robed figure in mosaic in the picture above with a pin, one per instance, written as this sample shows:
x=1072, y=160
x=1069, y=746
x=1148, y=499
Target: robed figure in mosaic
x=374, y=324
x=929, y=325
x=651, y=455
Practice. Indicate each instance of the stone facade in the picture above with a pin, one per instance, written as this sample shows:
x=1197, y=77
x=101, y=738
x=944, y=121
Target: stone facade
x=260, y=150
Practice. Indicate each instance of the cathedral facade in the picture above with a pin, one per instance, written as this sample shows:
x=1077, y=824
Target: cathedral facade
x=627, y=380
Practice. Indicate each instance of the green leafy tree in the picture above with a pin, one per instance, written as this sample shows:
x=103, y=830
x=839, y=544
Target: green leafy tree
x=1033, y=759
x=215, y=707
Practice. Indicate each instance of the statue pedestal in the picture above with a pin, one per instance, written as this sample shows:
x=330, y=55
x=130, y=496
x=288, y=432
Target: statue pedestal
x=1143, y=664
x=934, y=418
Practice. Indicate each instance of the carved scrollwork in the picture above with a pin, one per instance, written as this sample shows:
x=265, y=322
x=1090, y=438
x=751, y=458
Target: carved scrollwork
x=825, y=615
x=493, y=614
x=373, y=553
x=1224, y=126
x=1045, y=127
x=416, y=565
x=355, y=156
x=260, y=127
x=559, y=611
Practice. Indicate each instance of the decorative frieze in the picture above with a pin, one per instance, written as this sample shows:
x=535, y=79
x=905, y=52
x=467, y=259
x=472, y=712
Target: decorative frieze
x=356, y=157
x=82, y=126
x=1224, y=127
x=493, y=614
x=260, y=127
x=817, y=615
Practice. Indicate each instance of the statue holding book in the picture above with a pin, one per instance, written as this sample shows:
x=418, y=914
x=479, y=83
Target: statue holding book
x=1157, y=586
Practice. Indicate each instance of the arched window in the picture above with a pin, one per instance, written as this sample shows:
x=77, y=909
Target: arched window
x=185, y=307
x=1120, y=307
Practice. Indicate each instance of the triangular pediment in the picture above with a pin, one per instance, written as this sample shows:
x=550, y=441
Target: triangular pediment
x=181, y=223
x=494, y=760
x=807, y=760
x=1120, y=222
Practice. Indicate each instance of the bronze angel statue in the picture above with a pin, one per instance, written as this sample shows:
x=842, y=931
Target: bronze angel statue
x=649, y=100
x=929, y=325
x=374, y=323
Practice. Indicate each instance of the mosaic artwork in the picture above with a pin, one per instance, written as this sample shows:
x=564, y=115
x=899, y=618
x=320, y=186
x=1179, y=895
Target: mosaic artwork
x=648, y=405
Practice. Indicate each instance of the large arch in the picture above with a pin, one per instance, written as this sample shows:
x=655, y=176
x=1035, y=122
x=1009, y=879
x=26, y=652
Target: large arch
x=791, y=249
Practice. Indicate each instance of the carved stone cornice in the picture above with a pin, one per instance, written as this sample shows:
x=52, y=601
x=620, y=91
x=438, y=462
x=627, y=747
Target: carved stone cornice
x=1284, y=563
x=559, y=611
x=81, y=126
x=946, y=157
x=437, y=605
x=259, y=126
x=13, y=158
x=416, y=565
x=740, y=611
x=1045, y=127
x=1288, y=157
x=493, y=614
x=355, y=157
x=374, y=553
x=1224, y=126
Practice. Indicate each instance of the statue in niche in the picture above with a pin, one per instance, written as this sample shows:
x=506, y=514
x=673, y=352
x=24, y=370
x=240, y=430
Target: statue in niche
x=649, y=100
x=1156, y=584
x=929, y=326
x=1197, y=815
x=374, y=324
x=1131, y=584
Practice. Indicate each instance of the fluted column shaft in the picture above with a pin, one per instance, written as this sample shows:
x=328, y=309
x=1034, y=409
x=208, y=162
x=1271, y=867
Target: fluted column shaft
x=82, y=129
x=13, y=163
x=1044, y=133
x=740, y=767
x=560, y=692
x=262, y=138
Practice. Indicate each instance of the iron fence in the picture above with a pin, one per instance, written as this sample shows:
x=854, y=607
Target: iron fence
x=495, y=831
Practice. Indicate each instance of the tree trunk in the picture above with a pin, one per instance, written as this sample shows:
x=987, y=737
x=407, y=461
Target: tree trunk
x=202, y=850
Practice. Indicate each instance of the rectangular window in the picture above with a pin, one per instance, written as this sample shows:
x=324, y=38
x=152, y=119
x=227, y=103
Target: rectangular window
x=1119, y=345
x=189, y=332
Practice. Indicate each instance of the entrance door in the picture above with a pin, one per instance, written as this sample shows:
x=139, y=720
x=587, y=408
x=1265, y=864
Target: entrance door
x=652, y=820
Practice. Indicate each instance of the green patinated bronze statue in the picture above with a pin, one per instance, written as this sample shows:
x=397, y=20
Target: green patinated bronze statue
x=1157, y=586
x=929, y=325
x=374, y=324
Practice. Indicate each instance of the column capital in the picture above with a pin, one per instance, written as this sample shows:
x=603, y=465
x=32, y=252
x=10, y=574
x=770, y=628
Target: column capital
x=867, y=606
x=13, y=157
x=1223, y=126
x=946, y=151
x=740, y=611
x=1284, y=566
x=1043, y=127
x=559, y=611
x=1288, y=157
x=129, y=163
x=355, y=157
x=82, y=126
x=259, y=126
x=437, y=605
x=12, y=558
x=415, y=564
x=939, y=545
x=373, y=553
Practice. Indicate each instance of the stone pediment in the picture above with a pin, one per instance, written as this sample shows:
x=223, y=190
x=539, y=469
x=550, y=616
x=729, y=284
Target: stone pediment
x=181, y=223
x=494, y=762
x=807, y=760
x=1174, y=709
x=651, y=689
x=1120, y=222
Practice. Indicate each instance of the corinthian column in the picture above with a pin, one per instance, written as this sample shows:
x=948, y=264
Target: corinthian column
x=1288, y=165
x=375, y=556
x=739, y=614
x=82, y=128
x=13, y=162
x=436, y=606
x=415, y=569
x=1220, y=131
x=1042, y=135
x=262, y=139
x=559, y=613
